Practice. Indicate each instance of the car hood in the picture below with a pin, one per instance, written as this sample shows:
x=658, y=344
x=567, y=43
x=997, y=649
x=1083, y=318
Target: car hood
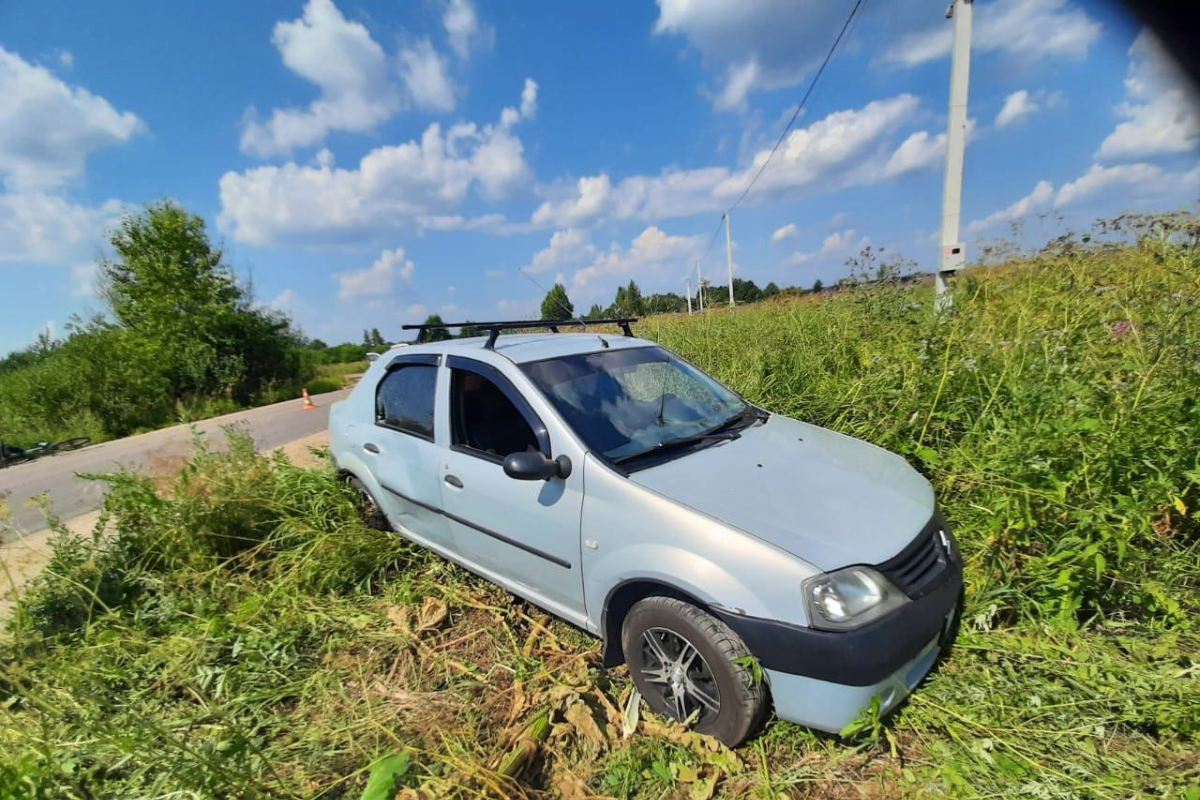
x=826, y=498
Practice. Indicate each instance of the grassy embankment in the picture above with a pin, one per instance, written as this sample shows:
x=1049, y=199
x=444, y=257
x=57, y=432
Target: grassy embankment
x=243, y=635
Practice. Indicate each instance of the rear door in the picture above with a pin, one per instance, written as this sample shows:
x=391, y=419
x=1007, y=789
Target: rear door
x=526, y=532
x=401, y=450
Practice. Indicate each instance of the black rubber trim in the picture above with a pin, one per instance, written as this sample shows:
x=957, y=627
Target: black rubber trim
x=428, y=359
x=857, y=658
x=553, y=559
x=511, y=392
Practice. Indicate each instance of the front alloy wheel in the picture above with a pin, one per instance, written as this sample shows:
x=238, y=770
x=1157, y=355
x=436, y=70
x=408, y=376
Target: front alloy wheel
x=683, y=681
x=691, y=666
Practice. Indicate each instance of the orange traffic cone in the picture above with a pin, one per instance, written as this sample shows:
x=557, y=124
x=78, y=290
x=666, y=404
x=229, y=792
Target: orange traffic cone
x=308, y=403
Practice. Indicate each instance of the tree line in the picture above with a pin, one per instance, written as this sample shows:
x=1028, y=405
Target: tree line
x=180, y=338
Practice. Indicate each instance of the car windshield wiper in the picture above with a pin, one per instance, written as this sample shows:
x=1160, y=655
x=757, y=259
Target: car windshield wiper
x=714, y=434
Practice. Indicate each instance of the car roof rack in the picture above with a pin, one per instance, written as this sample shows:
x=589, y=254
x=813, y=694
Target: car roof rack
x=494, y=328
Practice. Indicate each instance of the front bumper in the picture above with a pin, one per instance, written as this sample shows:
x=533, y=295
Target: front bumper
x=823, y=679
x=829, y=706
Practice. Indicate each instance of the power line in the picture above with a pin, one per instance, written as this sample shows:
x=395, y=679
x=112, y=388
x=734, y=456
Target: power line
x=791, y=122
x=812, y=85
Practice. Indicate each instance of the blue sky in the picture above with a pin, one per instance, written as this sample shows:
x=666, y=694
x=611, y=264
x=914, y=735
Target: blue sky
x=367, y=162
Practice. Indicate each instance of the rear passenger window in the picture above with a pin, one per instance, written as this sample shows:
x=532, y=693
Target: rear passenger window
x=483, y=419
x=404, y=399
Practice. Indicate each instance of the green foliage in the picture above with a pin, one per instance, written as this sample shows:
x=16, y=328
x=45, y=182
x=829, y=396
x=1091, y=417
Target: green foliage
x=556, y=304
x=628, y=302
x=181, y=334
x=436, y=334
x=669, y=303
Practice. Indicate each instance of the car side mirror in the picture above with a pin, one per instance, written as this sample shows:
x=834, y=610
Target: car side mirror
x=535, y=466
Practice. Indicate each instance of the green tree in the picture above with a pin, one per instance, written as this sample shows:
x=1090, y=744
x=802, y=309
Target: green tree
x=817, y=285
x=170, y=288
x=595, y=312
x=668, y=303
x=770, y=290
x=377, y=338
x=436, y=334
x=556, y=304
x=470, y=331
x=746, y=291
x=628, y=301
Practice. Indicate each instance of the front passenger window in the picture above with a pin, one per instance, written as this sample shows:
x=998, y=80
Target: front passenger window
x=484, y=420
x=404, y=399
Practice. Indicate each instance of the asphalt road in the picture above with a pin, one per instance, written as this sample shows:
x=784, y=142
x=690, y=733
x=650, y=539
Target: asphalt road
x=157, y=452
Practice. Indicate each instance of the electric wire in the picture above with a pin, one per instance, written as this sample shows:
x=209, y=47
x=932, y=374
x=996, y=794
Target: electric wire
x=791, y=122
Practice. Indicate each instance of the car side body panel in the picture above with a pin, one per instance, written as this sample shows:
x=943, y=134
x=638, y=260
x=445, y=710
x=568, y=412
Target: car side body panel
x=633, y=533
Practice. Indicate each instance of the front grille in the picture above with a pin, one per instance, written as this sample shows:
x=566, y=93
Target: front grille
x=921, y=566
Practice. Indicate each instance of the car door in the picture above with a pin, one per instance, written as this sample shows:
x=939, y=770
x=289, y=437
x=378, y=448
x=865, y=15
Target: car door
x=401, y=452
x=526, y=532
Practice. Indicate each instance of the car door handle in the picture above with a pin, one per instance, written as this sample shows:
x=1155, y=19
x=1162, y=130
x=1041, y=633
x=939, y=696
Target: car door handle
x=371, y=447
x=454, y=481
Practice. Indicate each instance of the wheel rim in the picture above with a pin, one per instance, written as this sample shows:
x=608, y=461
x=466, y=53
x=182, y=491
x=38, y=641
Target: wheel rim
x=367, y=506
x=679, y=675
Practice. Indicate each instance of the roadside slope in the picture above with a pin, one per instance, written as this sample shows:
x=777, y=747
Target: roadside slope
x=157, y=452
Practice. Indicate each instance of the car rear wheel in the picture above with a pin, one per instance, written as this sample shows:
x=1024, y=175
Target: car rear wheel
x=371, y=513
x=684, y=661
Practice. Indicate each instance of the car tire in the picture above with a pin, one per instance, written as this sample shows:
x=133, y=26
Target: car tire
x=659, y=636
x=372, y=514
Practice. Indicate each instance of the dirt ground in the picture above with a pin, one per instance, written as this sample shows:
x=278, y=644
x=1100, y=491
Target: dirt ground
x=23, y=558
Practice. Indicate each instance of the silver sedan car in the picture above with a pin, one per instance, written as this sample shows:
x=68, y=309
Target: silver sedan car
x=610, y=482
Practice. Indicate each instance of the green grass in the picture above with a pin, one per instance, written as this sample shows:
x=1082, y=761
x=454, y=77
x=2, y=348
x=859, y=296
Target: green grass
x=241, y=634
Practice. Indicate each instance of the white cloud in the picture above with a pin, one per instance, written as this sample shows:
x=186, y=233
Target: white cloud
x=1029, y=30
x=392, y=187
x=348, y=67
x=376, y=279
x=47, y=228
x=286, y=301
x=425, y=75
x=839, y=150
x=839, y=243
x=1040, y=197
x=83, y=279
x=920, y=151
x=1098, y=178
x=65, y=57
x=48, y=128
x=570, y=247
x=1017, y=106
x=651, y=256
x=786, y=232
x=754, y=44
x=493, y=273
x=1160, y=113
x=464, y=29
x=418, y=312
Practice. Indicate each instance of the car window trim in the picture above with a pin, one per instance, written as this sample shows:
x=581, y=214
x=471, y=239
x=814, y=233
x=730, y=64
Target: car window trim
x=514, y=396
x=397, y=363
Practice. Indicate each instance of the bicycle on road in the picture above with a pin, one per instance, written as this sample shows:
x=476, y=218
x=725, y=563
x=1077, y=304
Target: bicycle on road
x=11, y=454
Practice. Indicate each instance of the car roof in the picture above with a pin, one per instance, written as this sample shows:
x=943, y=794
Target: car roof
x=521, y=348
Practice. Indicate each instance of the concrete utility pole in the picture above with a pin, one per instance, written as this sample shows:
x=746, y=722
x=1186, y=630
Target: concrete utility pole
x=951, y=256
x=699, y=286
x=729, y=258
x=688, y=295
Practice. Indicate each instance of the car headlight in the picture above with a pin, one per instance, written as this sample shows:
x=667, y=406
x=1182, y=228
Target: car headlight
x=850, y=598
